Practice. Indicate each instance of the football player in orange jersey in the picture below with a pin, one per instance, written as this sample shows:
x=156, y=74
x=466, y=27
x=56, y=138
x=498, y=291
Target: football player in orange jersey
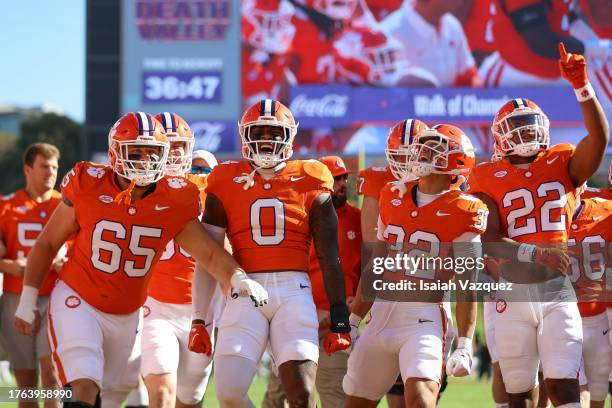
x=271, y=209
x=531, y=197
x=590, y=236
x=171, y=372
x=23, y=215
x=407, y=336
x=122, y=216
x=369, y=184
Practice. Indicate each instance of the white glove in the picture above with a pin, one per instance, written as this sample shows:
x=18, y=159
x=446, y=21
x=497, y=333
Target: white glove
x=248, y=287
x=460, y=362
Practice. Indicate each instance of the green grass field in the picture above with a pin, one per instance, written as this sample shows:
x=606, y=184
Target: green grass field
x=461, y=393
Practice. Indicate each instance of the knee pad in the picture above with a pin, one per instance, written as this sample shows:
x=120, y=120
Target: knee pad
x=518, y=382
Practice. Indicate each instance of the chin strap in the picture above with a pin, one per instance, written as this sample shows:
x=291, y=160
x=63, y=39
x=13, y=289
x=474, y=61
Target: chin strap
x=125, y=197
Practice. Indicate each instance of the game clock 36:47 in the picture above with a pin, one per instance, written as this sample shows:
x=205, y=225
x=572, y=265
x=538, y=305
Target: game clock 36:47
x=181, y=87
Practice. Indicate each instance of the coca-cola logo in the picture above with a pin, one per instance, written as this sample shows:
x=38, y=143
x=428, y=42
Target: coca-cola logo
x=327, y=106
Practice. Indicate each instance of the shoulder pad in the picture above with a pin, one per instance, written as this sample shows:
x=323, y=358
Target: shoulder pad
x=316, y=169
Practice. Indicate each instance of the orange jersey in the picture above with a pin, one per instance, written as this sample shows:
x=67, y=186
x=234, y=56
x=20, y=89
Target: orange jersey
x=512, y=46
x=371, y=181
x=590, y=235
x=535, y=204
x=429, y=229
x=592, y=192
x=21, y=221
x=349, y=245
x=117, y=245
x=268, y=223
x=172, y=276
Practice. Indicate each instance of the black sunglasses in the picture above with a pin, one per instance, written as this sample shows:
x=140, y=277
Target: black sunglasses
x=200, y=170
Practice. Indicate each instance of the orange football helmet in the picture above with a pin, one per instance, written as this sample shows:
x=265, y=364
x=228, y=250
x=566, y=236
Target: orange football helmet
x=521, y=128
x=400, y=137
x=442, y=149
x=134, y=136
x=181, y=142
x=267, y=152
x=266, y=25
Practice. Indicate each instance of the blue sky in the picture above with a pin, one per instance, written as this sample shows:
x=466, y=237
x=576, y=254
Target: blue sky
x=43, y=55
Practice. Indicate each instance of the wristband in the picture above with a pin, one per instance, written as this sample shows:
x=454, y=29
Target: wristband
x=238, y=277
x=354, y=320
x=198, y=321
x=27, y=304
x=585, y=93
x=526, y=253
x=339, y=316
x=464, y=343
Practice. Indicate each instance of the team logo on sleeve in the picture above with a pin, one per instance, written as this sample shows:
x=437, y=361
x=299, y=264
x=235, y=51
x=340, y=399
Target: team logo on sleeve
x=72, y=302
x=396, y=202
x=95, y=172
x=176, y=182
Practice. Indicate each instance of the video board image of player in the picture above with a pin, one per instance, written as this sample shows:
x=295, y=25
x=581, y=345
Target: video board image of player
x=288, y=43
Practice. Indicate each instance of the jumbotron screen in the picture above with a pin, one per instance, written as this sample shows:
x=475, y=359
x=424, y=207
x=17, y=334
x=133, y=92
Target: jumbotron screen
x=349, y=69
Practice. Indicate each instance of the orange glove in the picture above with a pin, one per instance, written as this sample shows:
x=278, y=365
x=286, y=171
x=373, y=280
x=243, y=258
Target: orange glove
x=573, y=68
x=199, y=339
x=336, y=342
x=556, y=259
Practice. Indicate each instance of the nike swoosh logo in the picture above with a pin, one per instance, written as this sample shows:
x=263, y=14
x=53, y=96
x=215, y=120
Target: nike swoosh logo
x=160, y=207
x=596, y=218
x=441, y=214
x=606, y=332
x=425, y=321
x=551, y=161
x=293, y=178
x=303, y=286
